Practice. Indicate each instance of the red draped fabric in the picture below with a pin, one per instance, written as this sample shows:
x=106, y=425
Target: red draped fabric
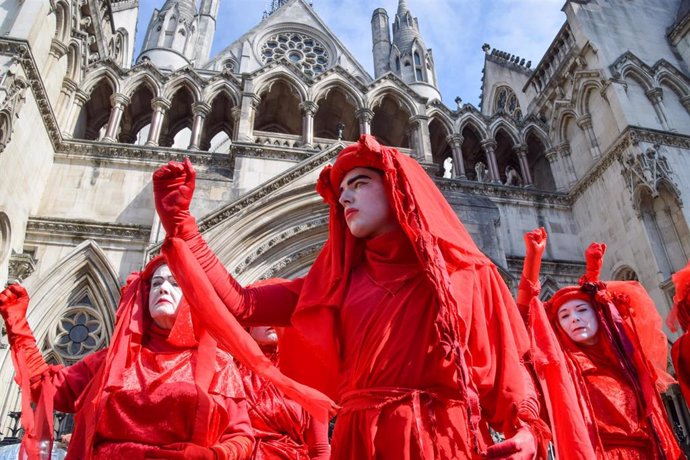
x=151, y=388
x=415, y=333
x=615, y=377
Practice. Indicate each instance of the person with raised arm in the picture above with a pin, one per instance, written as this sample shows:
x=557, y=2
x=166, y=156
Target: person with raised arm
x=401, y=319
x=154, y=392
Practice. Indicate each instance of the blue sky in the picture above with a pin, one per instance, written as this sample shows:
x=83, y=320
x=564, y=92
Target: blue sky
x=454, y=29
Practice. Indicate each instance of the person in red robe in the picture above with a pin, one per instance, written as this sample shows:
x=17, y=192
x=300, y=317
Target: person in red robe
x=155, y=392
x=283, y=430
x=401, y=319
x=613, y=349
x=680, y=316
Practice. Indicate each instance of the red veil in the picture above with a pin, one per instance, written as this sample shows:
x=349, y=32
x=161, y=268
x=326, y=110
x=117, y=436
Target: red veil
x=442, y=245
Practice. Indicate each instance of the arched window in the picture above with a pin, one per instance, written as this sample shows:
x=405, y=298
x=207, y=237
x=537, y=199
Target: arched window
x=506, y=101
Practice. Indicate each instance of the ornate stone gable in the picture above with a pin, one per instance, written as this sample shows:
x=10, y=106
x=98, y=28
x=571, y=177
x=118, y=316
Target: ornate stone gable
x=12, y=89
x=647, y=171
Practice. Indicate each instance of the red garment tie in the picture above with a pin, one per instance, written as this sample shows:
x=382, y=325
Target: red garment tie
x=381, y=397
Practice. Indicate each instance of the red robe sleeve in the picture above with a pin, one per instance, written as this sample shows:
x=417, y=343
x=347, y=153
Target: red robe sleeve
x=270, y=303
x=506, y=392
x=680, y=352
x=237, y=441
x=69, y=381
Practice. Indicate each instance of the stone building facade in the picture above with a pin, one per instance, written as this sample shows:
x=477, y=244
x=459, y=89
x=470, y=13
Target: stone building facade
x=592, y=142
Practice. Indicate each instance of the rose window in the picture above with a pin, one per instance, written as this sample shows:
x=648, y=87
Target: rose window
x=78, y=333
x=304, y=51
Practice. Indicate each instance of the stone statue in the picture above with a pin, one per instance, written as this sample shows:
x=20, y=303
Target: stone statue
x=513, y=177
x=480, y=169
x=448, y=168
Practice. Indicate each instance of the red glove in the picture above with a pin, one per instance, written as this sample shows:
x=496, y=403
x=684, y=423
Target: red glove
x=535, y=243
x=14, y=301
x=173, y=189
x=594, y=256
x=183, y=451
x=522, y=446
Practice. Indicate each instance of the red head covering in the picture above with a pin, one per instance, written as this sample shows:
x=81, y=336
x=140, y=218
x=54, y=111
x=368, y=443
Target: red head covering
x=630, y=325
x=441, y=243
x=680, y=314
x=133, y=321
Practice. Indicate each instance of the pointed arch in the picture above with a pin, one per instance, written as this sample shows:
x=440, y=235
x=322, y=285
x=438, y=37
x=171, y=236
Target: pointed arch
x=94, y=77
x=217, y=87
x=632, y=71
x=581, y=95
x=84, y=271
x=73, y=61
x=62, y=20
x=179, y=81
x=537, y=131
x=475, y=120
x=132, y=84
x=564, y=117
x=376, y=96
x=280, y=73
x=666, y=77
x=321, y=89
x=508, y=128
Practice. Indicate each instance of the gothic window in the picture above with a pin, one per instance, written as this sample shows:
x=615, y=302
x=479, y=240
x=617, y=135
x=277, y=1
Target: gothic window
x=507, y=102
x=397, y=64
x=304, y=51
x=78, y=332
x=229, y=65
x=418, y=73
x=417, y=60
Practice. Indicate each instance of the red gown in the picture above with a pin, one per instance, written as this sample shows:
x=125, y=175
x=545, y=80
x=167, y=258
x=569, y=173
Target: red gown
x=389, y=346
x=283, y=430
x=681, y=363
x=158, y=401
x=414, y=332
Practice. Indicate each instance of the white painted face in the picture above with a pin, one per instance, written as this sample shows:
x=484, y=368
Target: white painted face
x=367, y=211
x=164, y=297
x=264, y=335
x=579, y=321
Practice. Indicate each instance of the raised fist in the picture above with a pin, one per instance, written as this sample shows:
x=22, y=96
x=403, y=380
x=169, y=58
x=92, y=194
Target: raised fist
x=173, y=189
x=594, y=257
x=535, y=241
x=14, y=301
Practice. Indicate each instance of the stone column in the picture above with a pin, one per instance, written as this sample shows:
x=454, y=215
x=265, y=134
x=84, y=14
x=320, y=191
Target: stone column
x=521, y=152
x=200, y=111
x=564, y=150
x=308, y=109
x=67, y=90
x=656, y=97
x=80, y=98
x=364, y=116
x=159, y=106
x=245, y=129
x=489, y=147
x=236, y=114
x=585, y=124
x=419, y=130
x=118, y=102
x=455, y=141
x=558, y=175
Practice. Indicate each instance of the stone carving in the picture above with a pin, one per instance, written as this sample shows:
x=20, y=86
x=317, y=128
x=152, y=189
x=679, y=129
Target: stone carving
x=647, y=171
x=21, y=267
x=480, y=170
x=12, y=89
x=448, y=168
x=513, y=177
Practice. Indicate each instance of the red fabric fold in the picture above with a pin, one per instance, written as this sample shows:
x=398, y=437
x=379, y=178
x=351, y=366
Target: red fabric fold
x=197, y=288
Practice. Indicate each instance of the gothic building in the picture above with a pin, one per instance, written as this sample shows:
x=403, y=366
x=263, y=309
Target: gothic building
x=592, y=142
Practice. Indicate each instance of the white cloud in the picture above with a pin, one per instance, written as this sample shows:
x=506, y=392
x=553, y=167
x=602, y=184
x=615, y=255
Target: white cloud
x=454, y=29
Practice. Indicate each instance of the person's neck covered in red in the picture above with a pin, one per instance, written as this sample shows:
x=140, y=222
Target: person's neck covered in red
x=390, y=257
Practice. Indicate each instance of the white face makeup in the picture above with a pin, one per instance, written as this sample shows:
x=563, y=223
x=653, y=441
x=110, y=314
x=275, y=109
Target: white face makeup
x=264, y=335
x=367, y=211
x=579, y=321
x=164, y=297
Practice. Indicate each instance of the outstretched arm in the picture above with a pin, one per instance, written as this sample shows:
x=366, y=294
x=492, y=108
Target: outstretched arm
x=271, y=303
x=535, y=243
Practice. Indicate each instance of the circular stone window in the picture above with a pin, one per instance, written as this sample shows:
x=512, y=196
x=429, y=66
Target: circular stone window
x=302, y=50
x=79, y=332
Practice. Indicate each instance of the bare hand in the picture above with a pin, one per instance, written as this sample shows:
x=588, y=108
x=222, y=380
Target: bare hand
x=522, y=446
